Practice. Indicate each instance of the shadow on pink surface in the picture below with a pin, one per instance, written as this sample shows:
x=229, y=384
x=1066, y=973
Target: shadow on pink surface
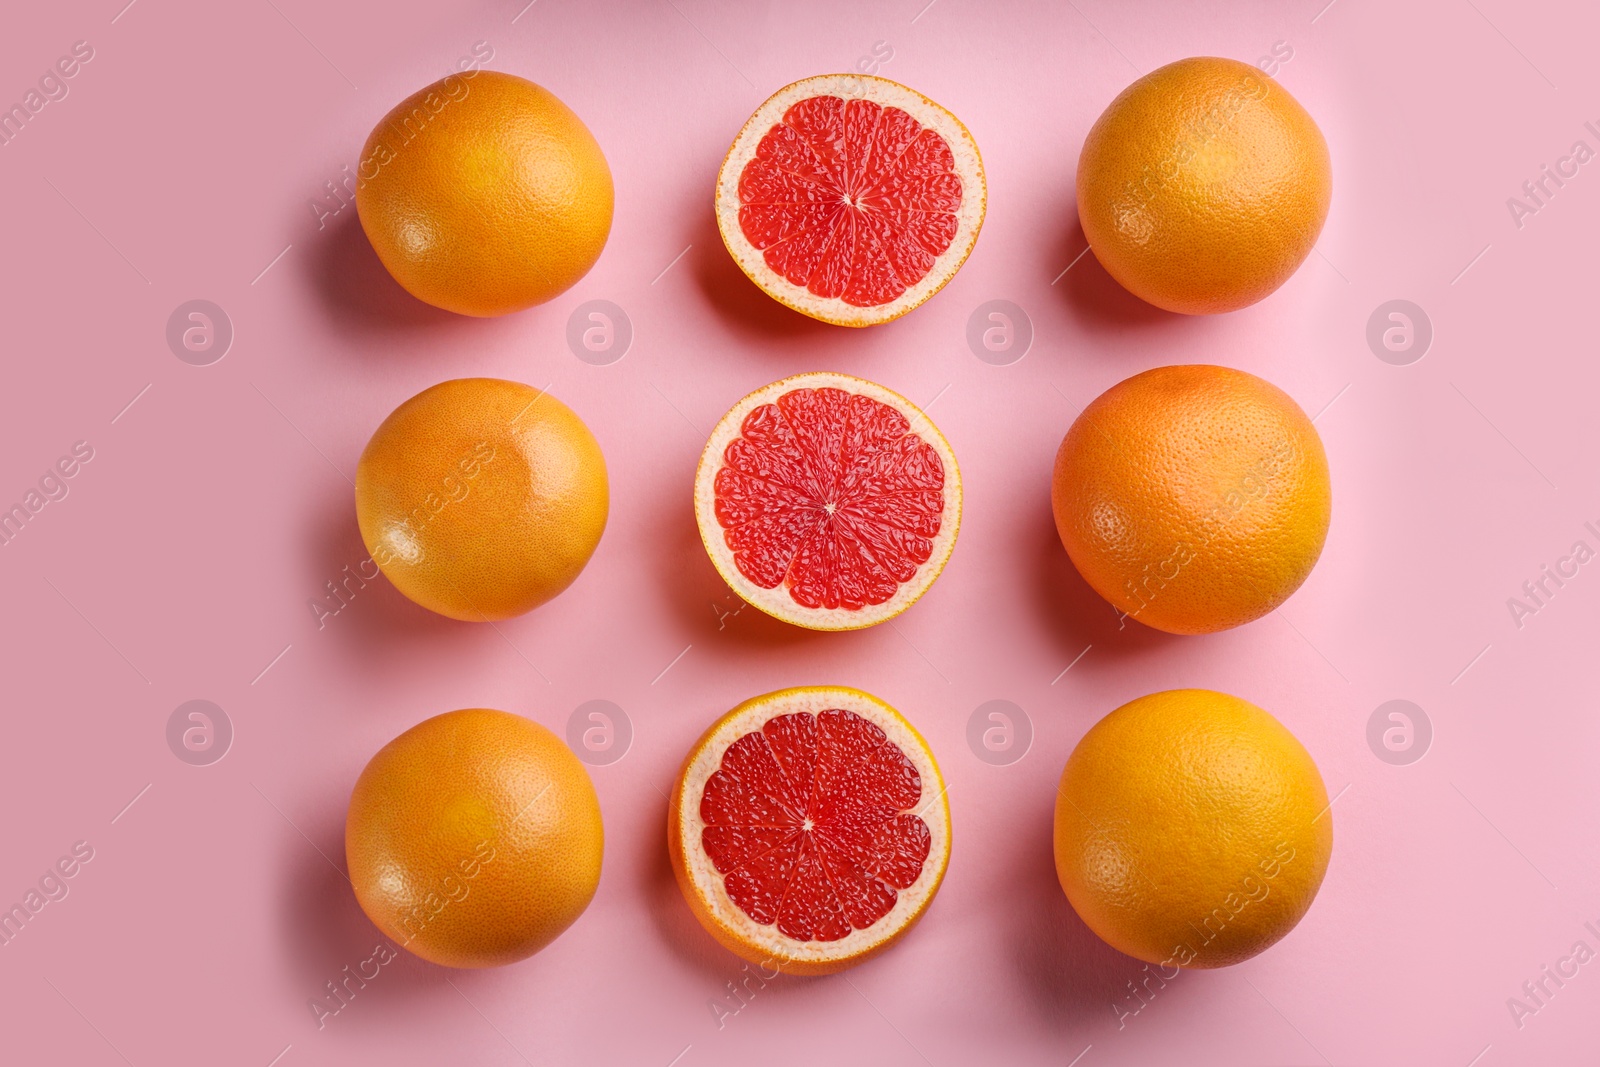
x=1097, y=301
x=1068, y=607
x=675, y=923
x=1071, y=976
x=370, y=617
x=705, y=603
x=348, y=977
x=359, y=296
x=327, y=938
x=740, y=302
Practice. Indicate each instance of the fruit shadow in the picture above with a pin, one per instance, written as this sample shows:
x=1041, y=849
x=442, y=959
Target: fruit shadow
x=674, y=922
x=375, y=622
x=689, y=942
x=1077, y=616
x=323, y=930
x=707, y=605
x=1097, y=301
x=1072, y=978
x=740, y=303
x=360, y=297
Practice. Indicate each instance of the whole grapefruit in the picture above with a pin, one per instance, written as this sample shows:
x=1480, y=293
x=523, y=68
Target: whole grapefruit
x=481, y=499
x=1192, y=829
x=474, y=838
x=484, y=194
x=1193, y=498
x=1203, y=186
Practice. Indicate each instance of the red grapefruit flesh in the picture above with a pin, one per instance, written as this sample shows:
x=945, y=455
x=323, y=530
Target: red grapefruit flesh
x=851, y=198
x=808, y=821
x=828, y=501
x=809, y=828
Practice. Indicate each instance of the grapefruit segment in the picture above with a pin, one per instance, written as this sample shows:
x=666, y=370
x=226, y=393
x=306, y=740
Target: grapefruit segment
x=808, y=828
x=851, y=198
x=828, y=501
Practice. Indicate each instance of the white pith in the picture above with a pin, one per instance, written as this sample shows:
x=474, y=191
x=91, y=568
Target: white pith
x=968, y=167
x=932, y=808
x=777, y=601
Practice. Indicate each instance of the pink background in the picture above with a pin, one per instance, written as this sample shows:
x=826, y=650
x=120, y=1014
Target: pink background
x=182, y=561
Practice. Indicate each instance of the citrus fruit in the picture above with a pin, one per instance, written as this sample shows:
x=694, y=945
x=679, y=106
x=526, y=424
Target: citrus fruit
x=828, y=501
x=851, y=198
x=1191, y=829
x=484, y=194
x=474, y=838
x=1203, y=186
x=480, y=498
x=809, y=829
x=1193, y=498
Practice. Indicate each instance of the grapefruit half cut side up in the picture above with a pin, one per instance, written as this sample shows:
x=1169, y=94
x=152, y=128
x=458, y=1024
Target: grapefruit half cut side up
x=809, y=829
x=828, y=501
x=851, y=198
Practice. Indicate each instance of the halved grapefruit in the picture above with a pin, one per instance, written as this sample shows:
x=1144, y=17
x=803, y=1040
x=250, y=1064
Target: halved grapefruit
x=809, y=829
x=851, y=198
x=828, y=501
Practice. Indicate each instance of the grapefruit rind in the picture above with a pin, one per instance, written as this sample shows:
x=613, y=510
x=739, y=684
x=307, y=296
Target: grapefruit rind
x=702, y=884
x=777, y=602
x=968, y=167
